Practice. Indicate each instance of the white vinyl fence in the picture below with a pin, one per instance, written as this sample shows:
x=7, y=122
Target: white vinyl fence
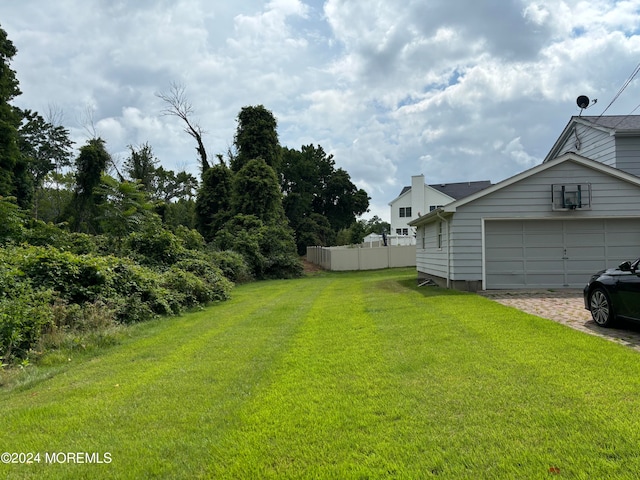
x=362, y=258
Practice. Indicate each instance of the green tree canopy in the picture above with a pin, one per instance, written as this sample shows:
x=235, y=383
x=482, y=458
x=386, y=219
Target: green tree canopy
x=142, y=165
x=82, y=212
x=10, y=159
x=256, y=192
x=313, y=188
x=256, y=137
x=213, y=202
x=45, y=148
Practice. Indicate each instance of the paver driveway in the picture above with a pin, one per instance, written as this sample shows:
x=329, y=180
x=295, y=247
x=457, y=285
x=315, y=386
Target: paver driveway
x=567, y=307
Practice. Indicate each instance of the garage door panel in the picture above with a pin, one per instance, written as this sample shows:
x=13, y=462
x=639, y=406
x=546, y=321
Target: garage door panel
x=544, y=279
x=585, y=239
x=541, y=266
x=505, y=239
x=498, y=254
x=545, y=252
x=542, y=240
x=556, y=253
x=586, y=253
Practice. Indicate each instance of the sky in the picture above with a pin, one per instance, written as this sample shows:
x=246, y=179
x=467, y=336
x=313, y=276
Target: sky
x=457, y=90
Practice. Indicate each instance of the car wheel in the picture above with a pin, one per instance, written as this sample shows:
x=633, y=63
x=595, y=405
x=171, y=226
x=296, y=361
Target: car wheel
x=601, y=308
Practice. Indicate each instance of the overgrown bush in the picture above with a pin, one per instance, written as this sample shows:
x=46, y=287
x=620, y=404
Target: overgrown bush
x=197, y=281
x=75, y=278
x=269, y=250
x=24, y=313
x=232, y=264
x=154, y=246
x=11, y=220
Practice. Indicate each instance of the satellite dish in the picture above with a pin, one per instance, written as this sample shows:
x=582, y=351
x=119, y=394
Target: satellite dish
x=583, y=101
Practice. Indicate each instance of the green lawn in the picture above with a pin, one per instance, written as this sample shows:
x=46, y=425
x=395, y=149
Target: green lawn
x=337, y=375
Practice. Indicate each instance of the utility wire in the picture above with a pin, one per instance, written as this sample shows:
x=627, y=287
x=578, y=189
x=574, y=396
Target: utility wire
x=624, y=86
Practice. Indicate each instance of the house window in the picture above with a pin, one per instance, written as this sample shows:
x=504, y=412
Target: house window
x=405, y=231
x=439, y=234
x=433, y=207
x=398, y=231
x=405, y=211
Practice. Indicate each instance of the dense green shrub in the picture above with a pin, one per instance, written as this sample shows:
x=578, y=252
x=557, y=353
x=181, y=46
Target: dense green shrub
x=232, y=264
x=154, y=246
x=47, y=234
x=11, y=220
x=269, y=250
x=135, y=292
x=75, y=278
x=24, y=313
x=192, y=290
x=190, y=238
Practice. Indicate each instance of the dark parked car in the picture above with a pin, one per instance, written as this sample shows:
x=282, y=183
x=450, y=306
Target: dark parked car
x=614, y=293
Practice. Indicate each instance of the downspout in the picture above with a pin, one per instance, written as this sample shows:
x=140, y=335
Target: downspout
x=448, y=249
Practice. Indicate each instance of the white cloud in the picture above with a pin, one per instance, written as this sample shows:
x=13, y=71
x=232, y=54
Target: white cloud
x=455, y=90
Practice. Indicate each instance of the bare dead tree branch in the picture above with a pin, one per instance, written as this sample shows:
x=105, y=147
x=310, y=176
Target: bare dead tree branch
x=88, y=122
x=179, y=106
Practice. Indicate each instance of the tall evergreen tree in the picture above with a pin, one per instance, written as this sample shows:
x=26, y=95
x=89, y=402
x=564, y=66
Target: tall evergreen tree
x=256, y=137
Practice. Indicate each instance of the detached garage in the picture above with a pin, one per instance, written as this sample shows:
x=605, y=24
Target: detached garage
x=549, y=227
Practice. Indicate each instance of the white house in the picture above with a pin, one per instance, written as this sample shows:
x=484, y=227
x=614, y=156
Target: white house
x=418, y=199
x=551, y=226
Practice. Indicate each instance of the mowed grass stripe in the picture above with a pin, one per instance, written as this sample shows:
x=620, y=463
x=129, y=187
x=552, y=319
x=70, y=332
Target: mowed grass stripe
x=497, y=392
x=168, y=393
x=326, y=398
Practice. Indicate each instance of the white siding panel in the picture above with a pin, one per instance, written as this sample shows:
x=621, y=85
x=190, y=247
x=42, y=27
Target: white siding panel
x=591, y=143
x=628, y=154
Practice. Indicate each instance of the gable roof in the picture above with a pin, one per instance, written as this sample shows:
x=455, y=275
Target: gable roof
x=567, y=157
x=461, y=189
x=611, y=124
x=454, y=190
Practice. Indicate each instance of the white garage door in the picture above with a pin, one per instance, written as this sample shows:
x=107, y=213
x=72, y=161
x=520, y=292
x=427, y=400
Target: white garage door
x=555, y=253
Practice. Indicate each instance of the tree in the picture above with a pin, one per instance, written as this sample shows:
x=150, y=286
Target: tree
x=213, y=203
x=169, y=186
x=45, y=148
x=123, y=208
x=82, y=212
x=142, y=166
x=179, y=106
x=256, y=137
x=313, y=188
x=256, y=192
x=377, y=225
x=341, y=201
x=10, y=159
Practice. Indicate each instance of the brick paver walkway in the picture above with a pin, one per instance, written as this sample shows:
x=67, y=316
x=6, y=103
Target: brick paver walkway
x=567, y=307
